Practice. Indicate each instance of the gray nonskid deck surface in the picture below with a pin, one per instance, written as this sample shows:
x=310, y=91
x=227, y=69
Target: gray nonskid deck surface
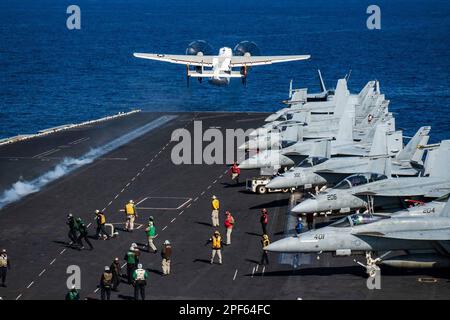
x=34, y=231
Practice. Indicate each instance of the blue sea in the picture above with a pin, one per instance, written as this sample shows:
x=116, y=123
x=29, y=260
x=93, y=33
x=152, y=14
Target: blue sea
x=50, y=75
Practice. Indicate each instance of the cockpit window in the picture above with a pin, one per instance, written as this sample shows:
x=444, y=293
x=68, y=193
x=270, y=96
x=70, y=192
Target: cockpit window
x=311, y=161
x=365, y=218
x=376, y=177
x=357, y=220
x=285, y=144
x=289, y=116
x=318, y=160
x=344, y=184
x=353, y=181
x=342, y=223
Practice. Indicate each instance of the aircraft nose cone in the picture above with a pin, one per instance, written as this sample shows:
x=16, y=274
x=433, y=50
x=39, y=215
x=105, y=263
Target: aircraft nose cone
x=283, y=245
x=279, y=183
x=309, y=205
x=246, y=164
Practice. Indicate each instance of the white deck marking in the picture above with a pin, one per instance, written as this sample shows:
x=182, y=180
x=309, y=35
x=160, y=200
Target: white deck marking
x=203, y=192
x=64, y=250
x=264, y=269
x=42, y=272
x=45, y=153
x=53, y=261
x=89, y=225
x=128, y=184
x=253, y=271
x=195, y=199
x=171, y=221
x=209, y=187
x=164, y=228
x=215, y=181
x=235, y=274
x=32, y=282
x=116, y=196
x=19, y=296
x=181, y=213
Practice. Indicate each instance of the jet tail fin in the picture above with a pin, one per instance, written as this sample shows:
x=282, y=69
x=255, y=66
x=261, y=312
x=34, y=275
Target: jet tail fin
x=321, y=149
x=411, y=151
x=322, y=84
x=345, y=132
x=379, y=144
x=445, y=212
x=380, y=165
x=438, y=166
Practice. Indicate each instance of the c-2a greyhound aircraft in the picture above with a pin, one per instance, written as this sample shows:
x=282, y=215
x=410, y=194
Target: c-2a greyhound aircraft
x=197, y=56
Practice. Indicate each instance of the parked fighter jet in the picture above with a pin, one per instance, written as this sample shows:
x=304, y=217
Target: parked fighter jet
x=343, y=144
x=319, y=171
x=358, y=191
x=425, y=238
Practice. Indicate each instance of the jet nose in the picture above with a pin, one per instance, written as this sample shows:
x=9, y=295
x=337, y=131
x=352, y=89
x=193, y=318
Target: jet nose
x=279, y=183
x=246, y=164
x=283, y=245
x=308, y=205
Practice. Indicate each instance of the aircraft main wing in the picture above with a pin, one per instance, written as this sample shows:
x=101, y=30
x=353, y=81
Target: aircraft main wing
x=429, y=235
x=250, y=61
x=205, y=61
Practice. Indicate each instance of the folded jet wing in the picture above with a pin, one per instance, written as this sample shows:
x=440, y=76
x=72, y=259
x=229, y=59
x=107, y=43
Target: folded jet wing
x=420, y=235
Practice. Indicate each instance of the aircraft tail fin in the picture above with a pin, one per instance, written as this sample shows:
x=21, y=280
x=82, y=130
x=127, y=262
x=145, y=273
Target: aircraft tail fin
x=445, y=212
x=381, y=165
x=321, y=148
x=341, y=95
x=418, y=155
x=345, y=132
x=379, y=144
x=322, y=83
x=438, y=166
x=410, y=151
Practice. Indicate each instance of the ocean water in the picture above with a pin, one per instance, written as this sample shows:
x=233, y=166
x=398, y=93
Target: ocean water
x=50, y=75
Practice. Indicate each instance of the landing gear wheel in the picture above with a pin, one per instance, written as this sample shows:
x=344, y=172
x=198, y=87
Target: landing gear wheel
x=261, y=189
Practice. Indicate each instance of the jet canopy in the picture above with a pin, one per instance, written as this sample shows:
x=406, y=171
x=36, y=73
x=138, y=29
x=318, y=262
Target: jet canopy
x=359, y=179
x=357, y=220
x=311, y=162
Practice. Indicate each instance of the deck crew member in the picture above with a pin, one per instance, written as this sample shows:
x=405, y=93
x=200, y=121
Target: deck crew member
x=72, y=228
x=264, y=219
x=131, y=257
x=115, y=270
x=83, y=234
x=265, y=242
x=130, y=211
x=216, y=245
x=140, y=276
x=151, y=233
x=229, y=224
x=215, y=211
x=101, y=221
x=166, y=254
x=299, y=226
x=5, y=265
x=73, y=294
x=106, y=283
x=235, y=172
x=310, y=220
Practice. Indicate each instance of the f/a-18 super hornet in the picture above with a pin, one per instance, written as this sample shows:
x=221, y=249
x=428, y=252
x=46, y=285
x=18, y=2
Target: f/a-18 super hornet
x=358, y=191
x=218, y=69
x=343, y=144
x=319, y=171
x=423, y=233
x=315, y=120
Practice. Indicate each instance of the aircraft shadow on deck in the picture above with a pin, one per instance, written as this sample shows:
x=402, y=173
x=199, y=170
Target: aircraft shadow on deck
x=233, y=184
x=355, y=271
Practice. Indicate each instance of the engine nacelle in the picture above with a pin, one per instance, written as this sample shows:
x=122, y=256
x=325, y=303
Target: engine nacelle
x=199, y=48
x=246, y=48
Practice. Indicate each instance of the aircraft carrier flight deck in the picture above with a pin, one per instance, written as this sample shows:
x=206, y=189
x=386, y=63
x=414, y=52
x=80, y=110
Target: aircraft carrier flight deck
x=178, y=196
